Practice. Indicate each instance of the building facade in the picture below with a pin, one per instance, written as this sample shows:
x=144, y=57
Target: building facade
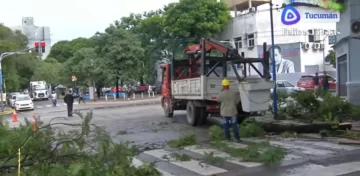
x=347, y=52
x=305, y=44
x=35, y=34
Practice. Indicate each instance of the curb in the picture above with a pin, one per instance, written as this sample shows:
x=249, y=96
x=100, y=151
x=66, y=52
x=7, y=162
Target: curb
x=118, y=106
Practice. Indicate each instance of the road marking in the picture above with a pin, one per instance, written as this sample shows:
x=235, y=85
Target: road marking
x=334, y=170
x=328, y=145
x=193, y=165
x=49, y=106
x=227, y=157
x=137, y=163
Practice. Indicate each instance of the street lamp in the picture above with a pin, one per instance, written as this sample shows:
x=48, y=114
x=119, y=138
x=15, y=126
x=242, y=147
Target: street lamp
x=2, y=56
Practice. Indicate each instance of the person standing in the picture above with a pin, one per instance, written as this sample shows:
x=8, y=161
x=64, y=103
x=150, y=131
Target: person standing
x=69, y=100
x=228, y=109
x=325, y=82
x=316, y=81
x=81, y=98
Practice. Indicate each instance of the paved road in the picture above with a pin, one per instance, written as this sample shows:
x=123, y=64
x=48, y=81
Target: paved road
x=147, y=128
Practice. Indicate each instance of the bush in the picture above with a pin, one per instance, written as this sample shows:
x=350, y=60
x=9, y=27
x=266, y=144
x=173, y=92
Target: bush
x=61, y=148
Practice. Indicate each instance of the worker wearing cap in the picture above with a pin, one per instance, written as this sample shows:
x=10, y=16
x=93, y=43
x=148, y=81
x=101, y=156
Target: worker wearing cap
x=228, y=109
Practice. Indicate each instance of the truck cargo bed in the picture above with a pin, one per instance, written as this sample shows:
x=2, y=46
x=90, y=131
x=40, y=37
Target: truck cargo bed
x=201, y=88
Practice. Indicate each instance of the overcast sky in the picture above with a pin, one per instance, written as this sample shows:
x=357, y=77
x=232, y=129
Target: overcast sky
x=69, y=19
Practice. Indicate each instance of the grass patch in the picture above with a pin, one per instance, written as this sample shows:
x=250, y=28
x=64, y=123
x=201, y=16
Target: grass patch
x=288, y=134
x=183, y=141
x=181, y=157
x=121, y=132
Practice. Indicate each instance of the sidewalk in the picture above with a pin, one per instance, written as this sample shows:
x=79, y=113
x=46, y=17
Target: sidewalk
x=111, y=100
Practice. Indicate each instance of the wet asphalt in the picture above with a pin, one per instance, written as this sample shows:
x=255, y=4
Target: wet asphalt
x=147, y=128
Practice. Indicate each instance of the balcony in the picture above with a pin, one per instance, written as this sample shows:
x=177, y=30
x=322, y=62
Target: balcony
x=241, y=5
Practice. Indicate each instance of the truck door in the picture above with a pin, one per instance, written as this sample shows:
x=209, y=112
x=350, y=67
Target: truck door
x=166, y=81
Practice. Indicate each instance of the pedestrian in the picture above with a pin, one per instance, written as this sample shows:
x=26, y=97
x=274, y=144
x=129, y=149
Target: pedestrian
x=316, y=81
x=130, y=91
x=69, y=100
x=81, y=98
x=325, y=82
x=98, y=93
x=228, y=109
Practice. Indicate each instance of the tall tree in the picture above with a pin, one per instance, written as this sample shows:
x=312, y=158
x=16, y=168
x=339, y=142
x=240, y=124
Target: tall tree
x=192, y=20
x=120, y=51
x=64, y=50
x=48, y=70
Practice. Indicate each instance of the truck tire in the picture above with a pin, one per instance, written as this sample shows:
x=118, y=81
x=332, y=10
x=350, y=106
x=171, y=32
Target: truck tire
x=167, y=111
x=203, y=116
x=192, y=113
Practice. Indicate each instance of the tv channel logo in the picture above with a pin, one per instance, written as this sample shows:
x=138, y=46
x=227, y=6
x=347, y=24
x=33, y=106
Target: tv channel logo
x=290, y=15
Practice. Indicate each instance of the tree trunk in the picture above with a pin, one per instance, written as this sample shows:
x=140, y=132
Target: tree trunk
x=117, y=87
x=141, y=80
x=122, y=83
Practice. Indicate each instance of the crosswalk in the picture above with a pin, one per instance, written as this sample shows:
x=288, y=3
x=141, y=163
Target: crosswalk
x=51, y=105
x=300, y=153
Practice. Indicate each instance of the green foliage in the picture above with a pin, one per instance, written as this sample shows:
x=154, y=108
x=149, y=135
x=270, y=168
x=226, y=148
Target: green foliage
x=195, y=19
x=73, y=149
x=331, y=57
x=320, y=107
x=49, y=71
x=183, y=141
x=248, y=128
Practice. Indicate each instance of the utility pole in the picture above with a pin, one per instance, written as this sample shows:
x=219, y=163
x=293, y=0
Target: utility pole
x=273, y=65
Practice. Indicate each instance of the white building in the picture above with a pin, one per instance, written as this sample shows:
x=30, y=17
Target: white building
x=35, y=34
x=304, y=43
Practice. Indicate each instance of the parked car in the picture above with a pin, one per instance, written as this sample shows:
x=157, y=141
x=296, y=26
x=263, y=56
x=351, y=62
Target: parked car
x=306, y=82
x=23, y=102
x=10, y=99
x=286, y=87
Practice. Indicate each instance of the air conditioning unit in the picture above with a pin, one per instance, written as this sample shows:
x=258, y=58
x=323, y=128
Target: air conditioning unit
x=316, y=46
x=305, y=46
x=355, y=28
x=252, y=9
x=322, y=46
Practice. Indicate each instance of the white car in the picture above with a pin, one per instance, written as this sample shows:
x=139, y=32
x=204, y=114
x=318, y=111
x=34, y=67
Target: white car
x=23, y=102
x=286, y=87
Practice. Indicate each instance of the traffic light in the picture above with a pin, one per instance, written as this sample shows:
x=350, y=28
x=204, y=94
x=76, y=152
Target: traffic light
x=43, y=44
x=37, y=45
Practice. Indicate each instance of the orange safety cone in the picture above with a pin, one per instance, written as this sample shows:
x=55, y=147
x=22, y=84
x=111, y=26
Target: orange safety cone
x=15, y=119
x=34, y=123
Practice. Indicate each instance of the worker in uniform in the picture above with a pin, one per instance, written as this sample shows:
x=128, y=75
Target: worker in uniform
x=228, y=109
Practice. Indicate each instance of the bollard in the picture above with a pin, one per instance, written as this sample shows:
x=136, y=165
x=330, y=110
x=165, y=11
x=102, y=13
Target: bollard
x=149, y=93
x=142, y=94
x=134, y=96
x=124, y=96
x=114, y=96
x=153, y=94
x=105, y=97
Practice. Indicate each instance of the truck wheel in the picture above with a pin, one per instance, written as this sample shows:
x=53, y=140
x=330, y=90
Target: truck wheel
x=166, y=108
x=203, y=116
x=192, y=114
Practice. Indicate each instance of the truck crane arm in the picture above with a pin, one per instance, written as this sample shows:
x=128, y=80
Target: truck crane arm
x=210, y=44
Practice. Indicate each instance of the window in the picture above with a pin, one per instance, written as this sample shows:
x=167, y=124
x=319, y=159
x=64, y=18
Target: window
x=163, y=74
x=280, y=84
x=238, y=42
x=251, y=40
x=242, y=54
x=287, y=84
x=331, y=79
x=306, y=78
x=21, y=98
x=311, y=36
